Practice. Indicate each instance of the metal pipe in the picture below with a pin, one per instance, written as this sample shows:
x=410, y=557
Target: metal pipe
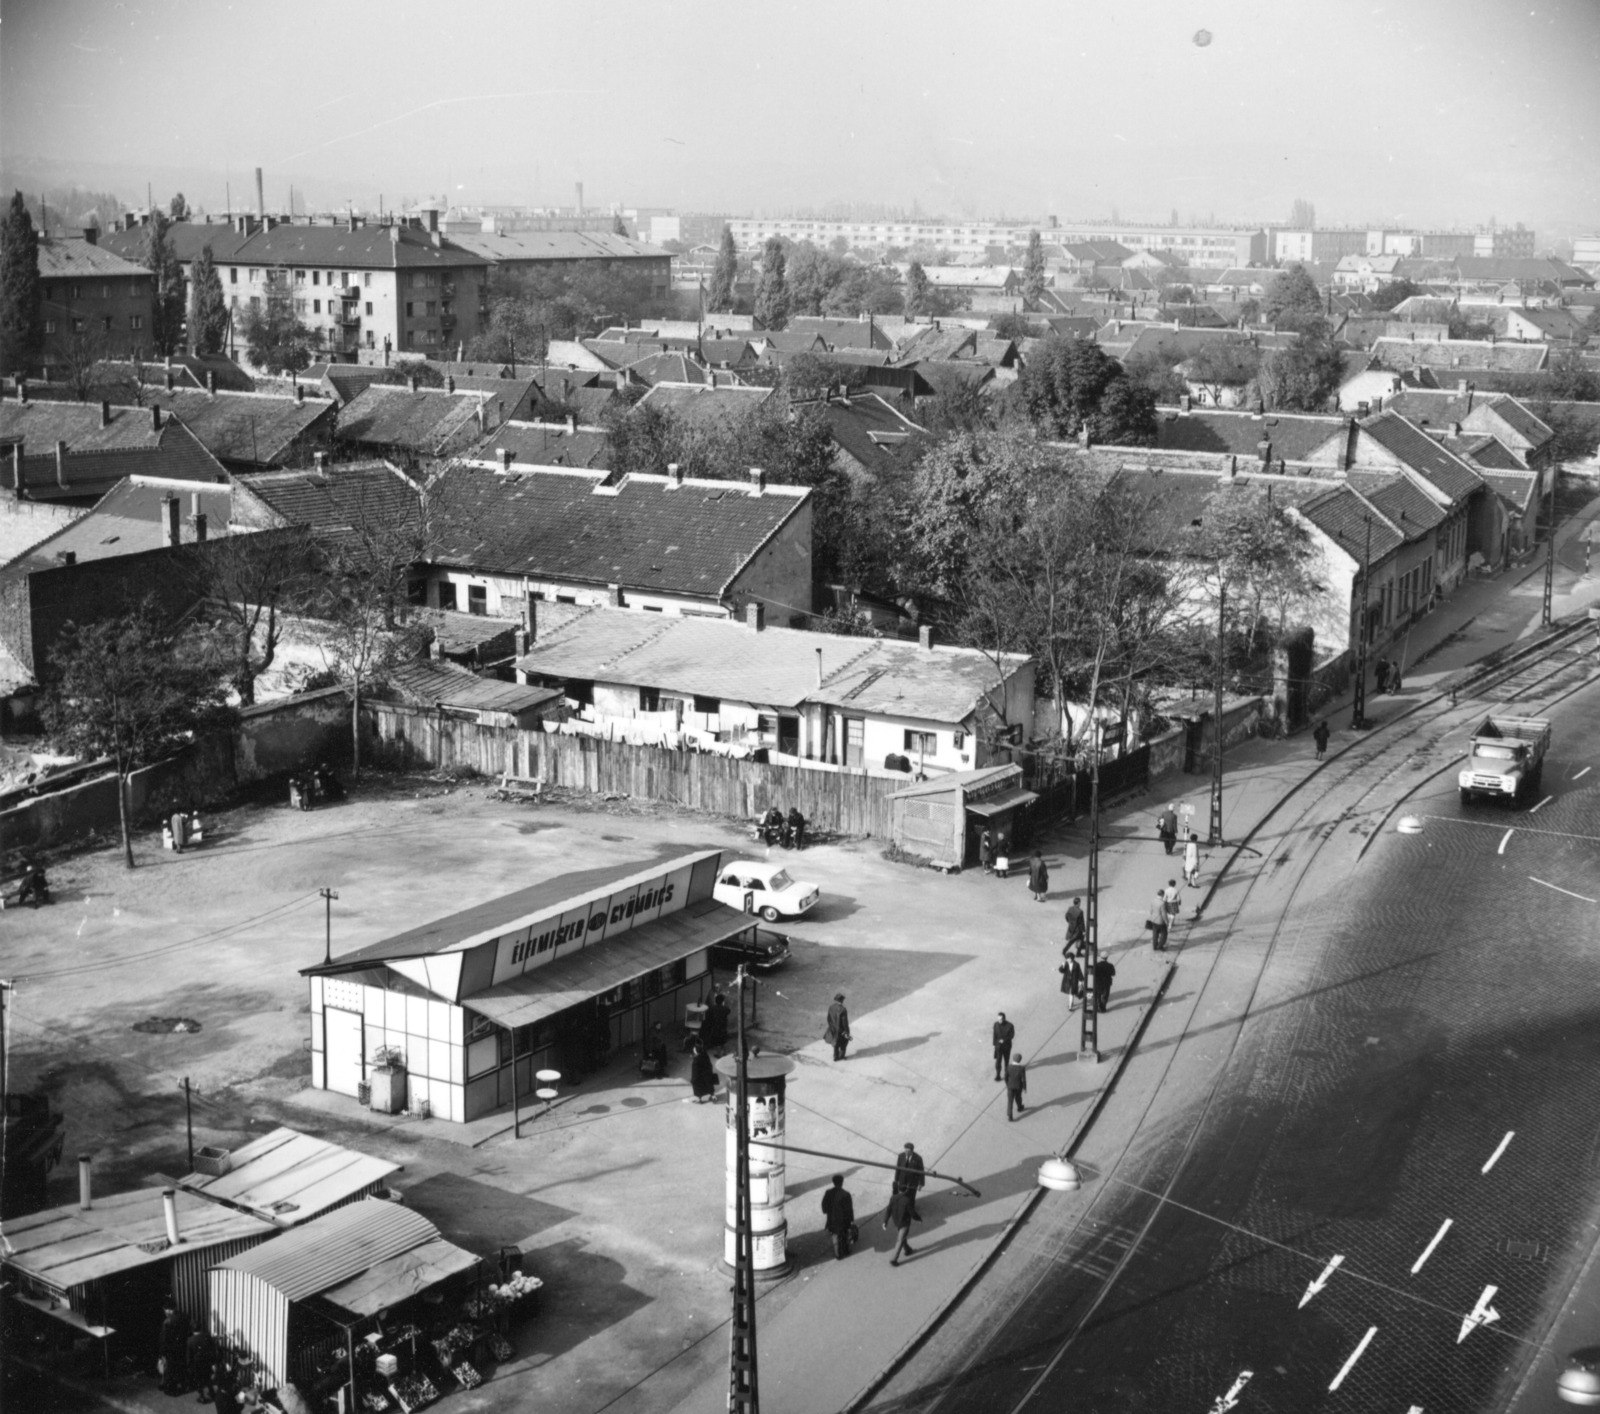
x=83, y=1181
x=169, y=1203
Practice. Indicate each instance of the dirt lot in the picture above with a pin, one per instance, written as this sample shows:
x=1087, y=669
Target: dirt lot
x=188, y=966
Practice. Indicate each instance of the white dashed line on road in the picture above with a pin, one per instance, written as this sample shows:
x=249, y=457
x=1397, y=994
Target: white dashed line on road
x=1541, y=805
x=1438, y=1237
x=1494, y=1158
x=1355, y=1355
x=1581, y=774
x=1560, y=890
x=1505, y=839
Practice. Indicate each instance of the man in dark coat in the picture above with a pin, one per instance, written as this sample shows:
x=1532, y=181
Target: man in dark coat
x=1156, y=921
x=714, y=1030
x=1004, y=1034
x=1167, y=828
x=1038, y=877
x=986, y=851
x=909, y=1175
x=174, y=1349
x=839, y=1216
x=702, y=1075
x=1016, y=1085
x=1380, y=673
x=902, y=1210
x=202, y=1355
x=1105, y=973
x=838, y=1026
x=1320, y=736
x=1072, y=977
x=1075, y=925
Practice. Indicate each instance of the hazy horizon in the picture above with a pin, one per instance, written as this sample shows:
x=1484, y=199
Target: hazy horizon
x=1441, y=112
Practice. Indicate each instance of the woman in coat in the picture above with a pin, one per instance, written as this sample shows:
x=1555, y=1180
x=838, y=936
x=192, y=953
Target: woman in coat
x=1038, y=877
x=702, y=1078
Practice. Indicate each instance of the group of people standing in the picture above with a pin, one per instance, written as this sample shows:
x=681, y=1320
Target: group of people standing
x=189, y=1359
x=1076, y=970
x=712, y=1038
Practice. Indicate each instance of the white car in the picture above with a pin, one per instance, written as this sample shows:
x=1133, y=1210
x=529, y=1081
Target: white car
x=773, y=894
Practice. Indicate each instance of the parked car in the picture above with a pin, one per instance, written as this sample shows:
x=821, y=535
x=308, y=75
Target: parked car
x=765, y=952
x=774, y=894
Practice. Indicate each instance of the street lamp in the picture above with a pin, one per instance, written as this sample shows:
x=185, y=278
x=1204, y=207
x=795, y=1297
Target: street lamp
x=328, y=896
x=1059, y=1174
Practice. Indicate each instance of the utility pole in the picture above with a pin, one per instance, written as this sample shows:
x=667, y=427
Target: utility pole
x=328, y=896
x=1550, y=553
x=1089, y=1039
x=188, y=1119
x=1358, y=714
x=744, y=1389
x=1222, y=653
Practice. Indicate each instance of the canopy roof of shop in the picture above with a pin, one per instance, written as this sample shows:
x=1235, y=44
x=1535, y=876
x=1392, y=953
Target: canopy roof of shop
x=70, y=1246
x=984, y=778
x=997, y=804
x=289, y=1178
x=401, y=1277
x=336, y=1248
x=581, y=975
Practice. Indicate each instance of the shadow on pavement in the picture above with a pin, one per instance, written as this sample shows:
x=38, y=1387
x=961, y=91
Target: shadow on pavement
x=584, y=1294
x=480, y=1216
x=889, y=1048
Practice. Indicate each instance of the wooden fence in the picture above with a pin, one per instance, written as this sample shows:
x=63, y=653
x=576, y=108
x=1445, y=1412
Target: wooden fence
x=840, y=802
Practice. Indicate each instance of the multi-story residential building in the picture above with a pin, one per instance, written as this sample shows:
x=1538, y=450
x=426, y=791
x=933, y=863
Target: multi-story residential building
x=1200, y=246
x=565, y=252
x=95, y=304
x=356, y=285
x=1501, y=240
x=1326, y=243
x=1586, y=250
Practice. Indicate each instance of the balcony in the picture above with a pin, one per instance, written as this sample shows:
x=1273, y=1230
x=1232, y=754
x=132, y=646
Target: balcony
x=350, y=317
x=447, y=317
x=350, y=292
x=447, y=287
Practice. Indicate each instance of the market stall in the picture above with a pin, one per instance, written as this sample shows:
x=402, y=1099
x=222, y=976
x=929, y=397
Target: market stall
x=371, y=1298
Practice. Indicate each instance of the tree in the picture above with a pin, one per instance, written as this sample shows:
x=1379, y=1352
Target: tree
x=919, y=293
x=1293, y=301
x=1571, y=379
x=1386, y=297
x=1126, y=416
x=135, y=689
x=1033, y=275
x=167, y=302
x=1302, y=214
x=21, y=314
x=208, y=307
x=179, y=208
x=1071, y=385
x=80, y=353
x=246, y=583
x=1302, y=377
x=1223, y=364
x=619, y=227
x=724, y=274
x=274, y=334
x=772, y=295
x=1157, y=374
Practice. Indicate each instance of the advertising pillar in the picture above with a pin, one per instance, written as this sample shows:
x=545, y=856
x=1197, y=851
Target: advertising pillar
x=766, y=1078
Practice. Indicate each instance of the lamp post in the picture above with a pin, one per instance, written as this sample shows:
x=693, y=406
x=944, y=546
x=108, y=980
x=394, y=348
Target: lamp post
x=1550, y=554
x=1089, y=1038
x=1358, y=713
x=1215, y=830
x=328, y=896
x=744, y=1388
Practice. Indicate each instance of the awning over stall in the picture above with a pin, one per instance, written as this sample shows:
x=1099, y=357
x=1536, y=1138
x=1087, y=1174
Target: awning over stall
x=998, y=804
x=573, y=979
x=400, y=1278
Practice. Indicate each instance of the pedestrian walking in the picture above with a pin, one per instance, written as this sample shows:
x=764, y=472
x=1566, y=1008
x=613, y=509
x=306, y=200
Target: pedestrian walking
x=1016, y=1086
x=1071, y=978
x=714, y=1029
x=173, y=1352
x=900, y=1213
x=986, y=851
x=838, y=1030
x=1191, y=860
x=1038, y=877
x=1156, y=922
x=1105, y=973
x=202, y=1356
x=1167, y=828
x=1075, y=925
x=839, y=1217
x=1004, y=1034
x=909, y=1175
x=1380, y=673
x=1174, y=902
x=1320, y=736
x=702, y=1076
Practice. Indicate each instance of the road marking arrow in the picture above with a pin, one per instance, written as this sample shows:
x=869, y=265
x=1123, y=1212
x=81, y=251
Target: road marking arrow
x=1481, y=1314
x=1321, y=1281
x=1231, y=1399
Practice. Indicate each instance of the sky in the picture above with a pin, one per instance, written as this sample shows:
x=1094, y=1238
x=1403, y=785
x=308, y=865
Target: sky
x=1429, y=112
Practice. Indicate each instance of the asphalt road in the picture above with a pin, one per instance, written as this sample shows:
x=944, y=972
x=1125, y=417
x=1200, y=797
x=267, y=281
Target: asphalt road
x=1385, y=1118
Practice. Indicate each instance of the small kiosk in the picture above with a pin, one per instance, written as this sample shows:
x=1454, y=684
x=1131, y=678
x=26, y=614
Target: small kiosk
x=942, y=819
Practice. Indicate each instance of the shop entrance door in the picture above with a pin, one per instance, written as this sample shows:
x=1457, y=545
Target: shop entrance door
x=345, y=1047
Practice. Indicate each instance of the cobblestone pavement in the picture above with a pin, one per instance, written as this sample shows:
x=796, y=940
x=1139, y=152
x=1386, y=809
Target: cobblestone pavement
x=1386, y=1010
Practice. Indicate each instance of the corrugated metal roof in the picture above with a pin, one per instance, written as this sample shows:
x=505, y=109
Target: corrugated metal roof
x=290, y=1178
x=335, y=1247
x=400, y=1278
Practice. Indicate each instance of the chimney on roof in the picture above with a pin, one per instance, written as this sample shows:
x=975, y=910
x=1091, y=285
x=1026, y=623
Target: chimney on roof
x=91, y=234
x=211, y=381
x=155, y=417
x=174, y=525
x=84, y=1194
x=261, y=196
x=169, y=1205
x=450, y=383
x=105, y=412
x=394, y=235
x=433, y=219
x=1455, y=429
x=1471, y=389
x=819, y=667
x=1232, y=473
x=320, y=461
x=572, y=424
x=170, y=383
x=755, y=616
x=758, y=481
x=614, y=595
x=1264, y=450
x=1084, y=438
x=61, y=464
x=66, y=557
x=16, y=470
x=1352, y=439
x=197, y=517
x=505, y=459
x=299, y=393
x=925, y=638
x=674, y=476
x=530, y=619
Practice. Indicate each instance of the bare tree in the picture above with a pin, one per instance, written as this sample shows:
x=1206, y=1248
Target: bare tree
x=80, y=355
x=248, y=582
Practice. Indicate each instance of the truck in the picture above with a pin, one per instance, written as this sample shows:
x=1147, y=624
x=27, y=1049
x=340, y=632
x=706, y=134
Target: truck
x=1506, y=759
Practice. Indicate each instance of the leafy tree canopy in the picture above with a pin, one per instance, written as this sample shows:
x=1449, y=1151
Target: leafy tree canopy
x=21, y=316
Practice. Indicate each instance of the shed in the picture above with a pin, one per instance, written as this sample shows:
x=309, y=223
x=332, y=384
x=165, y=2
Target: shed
x=307, y=1291
x=289, y=1178
x=107, y=1269
x=943, y=818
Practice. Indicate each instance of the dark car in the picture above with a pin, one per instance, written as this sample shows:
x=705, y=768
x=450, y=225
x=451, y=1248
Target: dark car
x=765, y=952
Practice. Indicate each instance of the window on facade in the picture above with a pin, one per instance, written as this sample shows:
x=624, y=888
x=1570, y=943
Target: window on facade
x=49, y=326
x=924, y=743
x=369, y=307
x=409, y=308
x=649, y=699
x=432, y=308
x=580, y=691
x=447, y=595
x=710, y=705
x=255, y=301
x=371, y=338
x=316, y=306
x=255, y=274
x=77, y=292
x=79, y=325
x=344, y=276
x=477, y=599
x=233, y=274
x=106, y=323
x=105, y=291
x=299, y=277
x=417, y=591
x=367, y=281
x=316, y=277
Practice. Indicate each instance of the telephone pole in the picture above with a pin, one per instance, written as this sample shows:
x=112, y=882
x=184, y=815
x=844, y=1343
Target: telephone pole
x=744, y=1389
x=1222, y=654
x=1089, y=1039
x=328, y=896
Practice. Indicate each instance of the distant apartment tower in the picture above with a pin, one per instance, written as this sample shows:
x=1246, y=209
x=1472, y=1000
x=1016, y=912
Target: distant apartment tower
x=1322, y=244
x=1586, y=250
x=1512, y=241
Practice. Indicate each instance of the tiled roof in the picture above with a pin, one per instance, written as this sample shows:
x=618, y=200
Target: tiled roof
x=943, y=375
x=347, y=381
x=1178, y=501
x=368, y=247
x=131, y=517
x=1508, y=268
x=871, y=431
x=703, y=405
x=639, y=533
x=1184, y=343
x=1441, y=407
x=1418, y=451
x=440, y=684
x=546, y=444
x=515, y=246
x=98, y=456
x=736, y=353
x=776, y=667
x=619, y=353
x=258, y=428
x=1294, y=437
x=1484, y=452
x=1517, y=487
x=668, y=368
x=1343, y=515
x=1552, y=323
x=459, y=634
x=933, y=342
x=75, y=258
x=428, y=422
x=842, y=333
x=347, y=494
x=1466, y=354
x=795, y=341
x=1406, y=505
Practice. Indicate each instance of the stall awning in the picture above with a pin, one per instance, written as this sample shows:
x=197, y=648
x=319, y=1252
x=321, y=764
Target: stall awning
x=608, y=965
x=402, y=1277
x=999, y=804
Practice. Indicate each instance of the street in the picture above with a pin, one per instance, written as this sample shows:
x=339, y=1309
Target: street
x=1367, y=1176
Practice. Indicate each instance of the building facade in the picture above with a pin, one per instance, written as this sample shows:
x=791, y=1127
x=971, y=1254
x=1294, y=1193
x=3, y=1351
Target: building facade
x=96, y=304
